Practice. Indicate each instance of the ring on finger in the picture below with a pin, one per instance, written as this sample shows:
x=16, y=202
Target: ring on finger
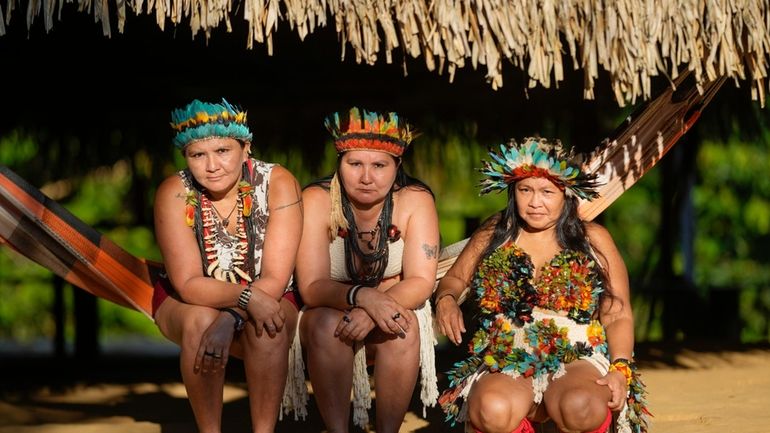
x=396, y=316
x=211, y=354
x=346, y=318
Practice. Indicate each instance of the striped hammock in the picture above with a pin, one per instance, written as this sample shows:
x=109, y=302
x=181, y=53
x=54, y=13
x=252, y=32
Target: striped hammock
x=46, y=233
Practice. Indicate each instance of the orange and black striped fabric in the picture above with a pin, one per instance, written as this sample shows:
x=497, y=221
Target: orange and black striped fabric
x=47, y=233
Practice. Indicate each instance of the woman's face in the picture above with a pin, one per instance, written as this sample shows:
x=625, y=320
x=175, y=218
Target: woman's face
x=539, y=202
x=216, y=162
x=367, y=175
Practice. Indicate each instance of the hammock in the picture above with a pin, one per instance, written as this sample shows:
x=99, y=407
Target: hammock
x=46, y=233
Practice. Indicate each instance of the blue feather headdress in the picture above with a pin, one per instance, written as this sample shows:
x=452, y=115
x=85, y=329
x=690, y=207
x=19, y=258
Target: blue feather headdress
x=537, y=157
x=200, y=120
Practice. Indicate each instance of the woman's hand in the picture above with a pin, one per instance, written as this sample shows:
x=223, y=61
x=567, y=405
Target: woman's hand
x=450, y=318
x=616, y=382
x=354, y=326
x=266, y=313
x=386, y=313
x=214, y=348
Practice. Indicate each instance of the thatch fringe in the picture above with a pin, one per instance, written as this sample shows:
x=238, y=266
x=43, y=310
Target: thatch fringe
x=632, y=40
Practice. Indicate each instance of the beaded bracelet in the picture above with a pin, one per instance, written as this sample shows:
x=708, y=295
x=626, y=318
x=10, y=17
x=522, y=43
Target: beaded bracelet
x=623, y=366
x=244, y=297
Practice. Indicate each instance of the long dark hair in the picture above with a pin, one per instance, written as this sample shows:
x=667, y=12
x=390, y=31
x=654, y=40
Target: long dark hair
x=570, y=231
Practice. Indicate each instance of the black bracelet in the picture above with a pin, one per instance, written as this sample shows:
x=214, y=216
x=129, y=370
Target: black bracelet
x=351, y=294
x=622, y=361
x=239, y=322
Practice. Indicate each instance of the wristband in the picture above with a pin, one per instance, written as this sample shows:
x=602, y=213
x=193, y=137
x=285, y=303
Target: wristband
x=350, y=296
x=239, y=322
x=623, y=366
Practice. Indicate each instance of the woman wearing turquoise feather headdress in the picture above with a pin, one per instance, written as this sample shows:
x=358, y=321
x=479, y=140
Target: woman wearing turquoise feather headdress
x=554, y=335
x=366, y=267
x=228, y=227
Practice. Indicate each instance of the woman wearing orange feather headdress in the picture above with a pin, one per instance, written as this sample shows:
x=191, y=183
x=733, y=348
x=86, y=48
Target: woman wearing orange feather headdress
x=366, y=267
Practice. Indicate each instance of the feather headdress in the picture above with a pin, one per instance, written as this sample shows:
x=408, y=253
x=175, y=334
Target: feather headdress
x=358, y=129
x=537, y=157
x=200, y=120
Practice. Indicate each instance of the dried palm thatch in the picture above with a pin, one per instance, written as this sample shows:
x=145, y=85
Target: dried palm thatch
x=630, y=40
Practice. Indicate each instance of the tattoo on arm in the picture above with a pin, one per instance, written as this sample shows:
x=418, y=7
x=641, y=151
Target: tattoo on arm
x=298, y=195
x=431, y=251
x=298, y=202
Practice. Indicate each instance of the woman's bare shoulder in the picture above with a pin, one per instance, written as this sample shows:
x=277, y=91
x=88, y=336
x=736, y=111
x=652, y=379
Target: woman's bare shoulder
x=600, y=238
x=281, y=175
x=170, y=187
x=414, y=197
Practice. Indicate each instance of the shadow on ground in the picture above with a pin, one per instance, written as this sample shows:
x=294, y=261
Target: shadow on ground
x=136, y=391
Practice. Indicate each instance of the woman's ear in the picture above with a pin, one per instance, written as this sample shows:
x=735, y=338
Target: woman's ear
x=247, y=147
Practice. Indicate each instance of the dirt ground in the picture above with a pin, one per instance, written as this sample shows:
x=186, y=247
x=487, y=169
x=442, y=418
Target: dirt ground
x=699, y=388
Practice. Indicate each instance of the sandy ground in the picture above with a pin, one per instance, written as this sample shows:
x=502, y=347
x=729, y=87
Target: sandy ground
x=706, y=389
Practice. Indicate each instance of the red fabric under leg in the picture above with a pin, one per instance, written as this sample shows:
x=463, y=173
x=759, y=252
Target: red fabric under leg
x=605, y=425
x=524, y=427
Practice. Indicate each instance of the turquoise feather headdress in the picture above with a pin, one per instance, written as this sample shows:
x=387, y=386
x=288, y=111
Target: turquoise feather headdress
x=537, y=157
x=200, y=120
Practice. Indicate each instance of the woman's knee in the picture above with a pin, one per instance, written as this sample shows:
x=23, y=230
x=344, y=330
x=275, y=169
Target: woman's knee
x=317, y=327
x=494, y=411
x=193, y=324
x=582, y=410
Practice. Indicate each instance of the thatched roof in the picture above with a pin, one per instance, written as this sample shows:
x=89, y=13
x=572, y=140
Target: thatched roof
x=631, y=40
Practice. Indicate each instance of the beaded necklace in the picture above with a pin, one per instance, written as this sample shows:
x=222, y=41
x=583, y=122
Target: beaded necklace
x=367, y=268
x=225, y=252
x=226, y=257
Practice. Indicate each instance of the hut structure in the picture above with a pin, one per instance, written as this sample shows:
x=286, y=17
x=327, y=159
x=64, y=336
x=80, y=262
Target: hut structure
x=629, y=41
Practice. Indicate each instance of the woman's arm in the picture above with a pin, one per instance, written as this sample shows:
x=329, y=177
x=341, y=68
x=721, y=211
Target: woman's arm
x=615, y=311
x=451, y=287
x=283, y=233
x=313, y=266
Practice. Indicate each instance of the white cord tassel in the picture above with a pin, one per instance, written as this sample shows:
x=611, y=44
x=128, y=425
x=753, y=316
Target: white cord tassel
x=428, y=379
x=295, y=395
x=362, y=398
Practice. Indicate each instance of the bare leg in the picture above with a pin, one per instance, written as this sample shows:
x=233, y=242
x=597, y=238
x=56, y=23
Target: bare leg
x=498, y=403
x=265, y=360
x=330, y=364
x=184, y=324
x=396, y=364
x=575, y=401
